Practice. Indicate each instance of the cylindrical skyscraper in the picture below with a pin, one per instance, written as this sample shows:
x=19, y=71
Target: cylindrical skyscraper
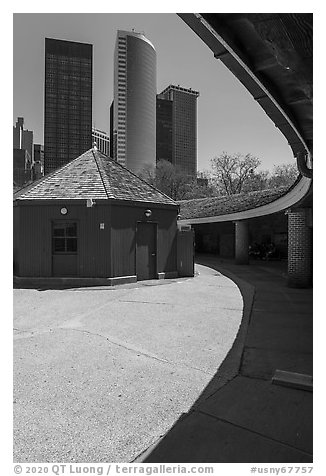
x=134, y=101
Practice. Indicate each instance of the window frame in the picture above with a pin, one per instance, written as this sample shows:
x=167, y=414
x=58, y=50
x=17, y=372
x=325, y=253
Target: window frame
x=66, y=237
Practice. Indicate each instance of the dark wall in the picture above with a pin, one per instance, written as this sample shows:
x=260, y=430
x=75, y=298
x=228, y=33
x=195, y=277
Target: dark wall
x=218, y=238
x=16, y=235
x=270, y=229
x=167, y=240
x=124, y=221
x=123, y=229
x=35, y=242
x=185, y=246
x=108, y=252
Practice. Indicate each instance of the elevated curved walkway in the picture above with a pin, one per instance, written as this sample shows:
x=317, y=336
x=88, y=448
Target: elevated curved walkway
x=271, y=55
x=211, y=210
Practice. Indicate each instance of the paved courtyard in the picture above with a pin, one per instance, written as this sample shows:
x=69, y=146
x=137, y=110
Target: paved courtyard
x=101, y=373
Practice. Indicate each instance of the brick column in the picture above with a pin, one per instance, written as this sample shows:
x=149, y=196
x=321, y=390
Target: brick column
x=300, y=248
x=241, y=242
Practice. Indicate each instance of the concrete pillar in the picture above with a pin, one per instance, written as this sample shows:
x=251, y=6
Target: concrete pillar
x=241, y=242
x=300, y=248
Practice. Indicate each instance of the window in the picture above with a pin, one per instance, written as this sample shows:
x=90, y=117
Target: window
x=64, y=238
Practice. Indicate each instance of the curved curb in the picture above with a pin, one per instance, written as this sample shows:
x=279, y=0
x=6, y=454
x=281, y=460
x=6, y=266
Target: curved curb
x=230, y=366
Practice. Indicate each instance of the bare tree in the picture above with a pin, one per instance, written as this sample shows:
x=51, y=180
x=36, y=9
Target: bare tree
x=168, y=180
x=258, y=180
x=283, y=175
x=233, y=172
x=147, y=173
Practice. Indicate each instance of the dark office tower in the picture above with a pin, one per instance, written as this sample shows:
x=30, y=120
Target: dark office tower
x=184, y=127
x=68, y=101
x=163, y=129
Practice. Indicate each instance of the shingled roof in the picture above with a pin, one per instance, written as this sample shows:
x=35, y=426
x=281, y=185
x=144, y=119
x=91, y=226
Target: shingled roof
x=216, y=206
x=92, y=175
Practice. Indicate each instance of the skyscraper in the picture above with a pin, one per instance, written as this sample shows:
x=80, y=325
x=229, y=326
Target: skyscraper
x=68, y=101
x=102, y=141
x=23, y=138
x=22, y=153
x=183, y=114
x=134, y=106
x=163, y=129
x=38, y=165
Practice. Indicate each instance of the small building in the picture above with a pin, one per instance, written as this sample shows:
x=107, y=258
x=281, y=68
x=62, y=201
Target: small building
x=94, y=221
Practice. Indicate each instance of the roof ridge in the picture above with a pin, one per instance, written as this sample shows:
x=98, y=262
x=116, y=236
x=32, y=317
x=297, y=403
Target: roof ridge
x=100, y=174
x=137, y=176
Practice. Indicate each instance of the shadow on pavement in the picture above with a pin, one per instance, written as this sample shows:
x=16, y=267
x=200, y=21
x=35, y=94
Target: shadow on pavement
x=241, y=416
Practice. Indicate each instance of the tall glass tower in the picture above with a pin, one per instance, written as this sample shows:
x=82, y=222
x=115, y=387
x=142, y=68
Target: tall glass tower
x=134, y=106
x=67, y=102
x=182, y=104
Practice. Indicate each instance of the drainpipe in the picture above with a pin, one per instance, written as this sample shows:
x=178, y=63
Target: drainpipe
x=302, y=159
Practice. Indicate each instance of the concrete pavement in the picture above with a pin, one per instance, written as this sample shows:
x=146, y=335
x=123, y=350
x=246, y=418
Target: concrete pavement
x=100, y=374
x=241, y=416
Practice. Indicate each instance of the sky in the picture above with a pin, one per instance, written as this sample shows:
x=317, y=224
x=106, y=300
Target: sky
x=228, y=117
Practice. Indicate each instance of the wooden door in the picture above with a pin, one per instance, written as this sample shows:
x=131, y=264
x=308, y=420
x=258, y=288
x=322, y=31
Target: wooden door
x=146, y=251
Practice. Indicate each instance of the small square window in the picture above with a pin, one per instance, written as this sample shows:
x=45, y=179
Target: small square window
x=64, y=237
